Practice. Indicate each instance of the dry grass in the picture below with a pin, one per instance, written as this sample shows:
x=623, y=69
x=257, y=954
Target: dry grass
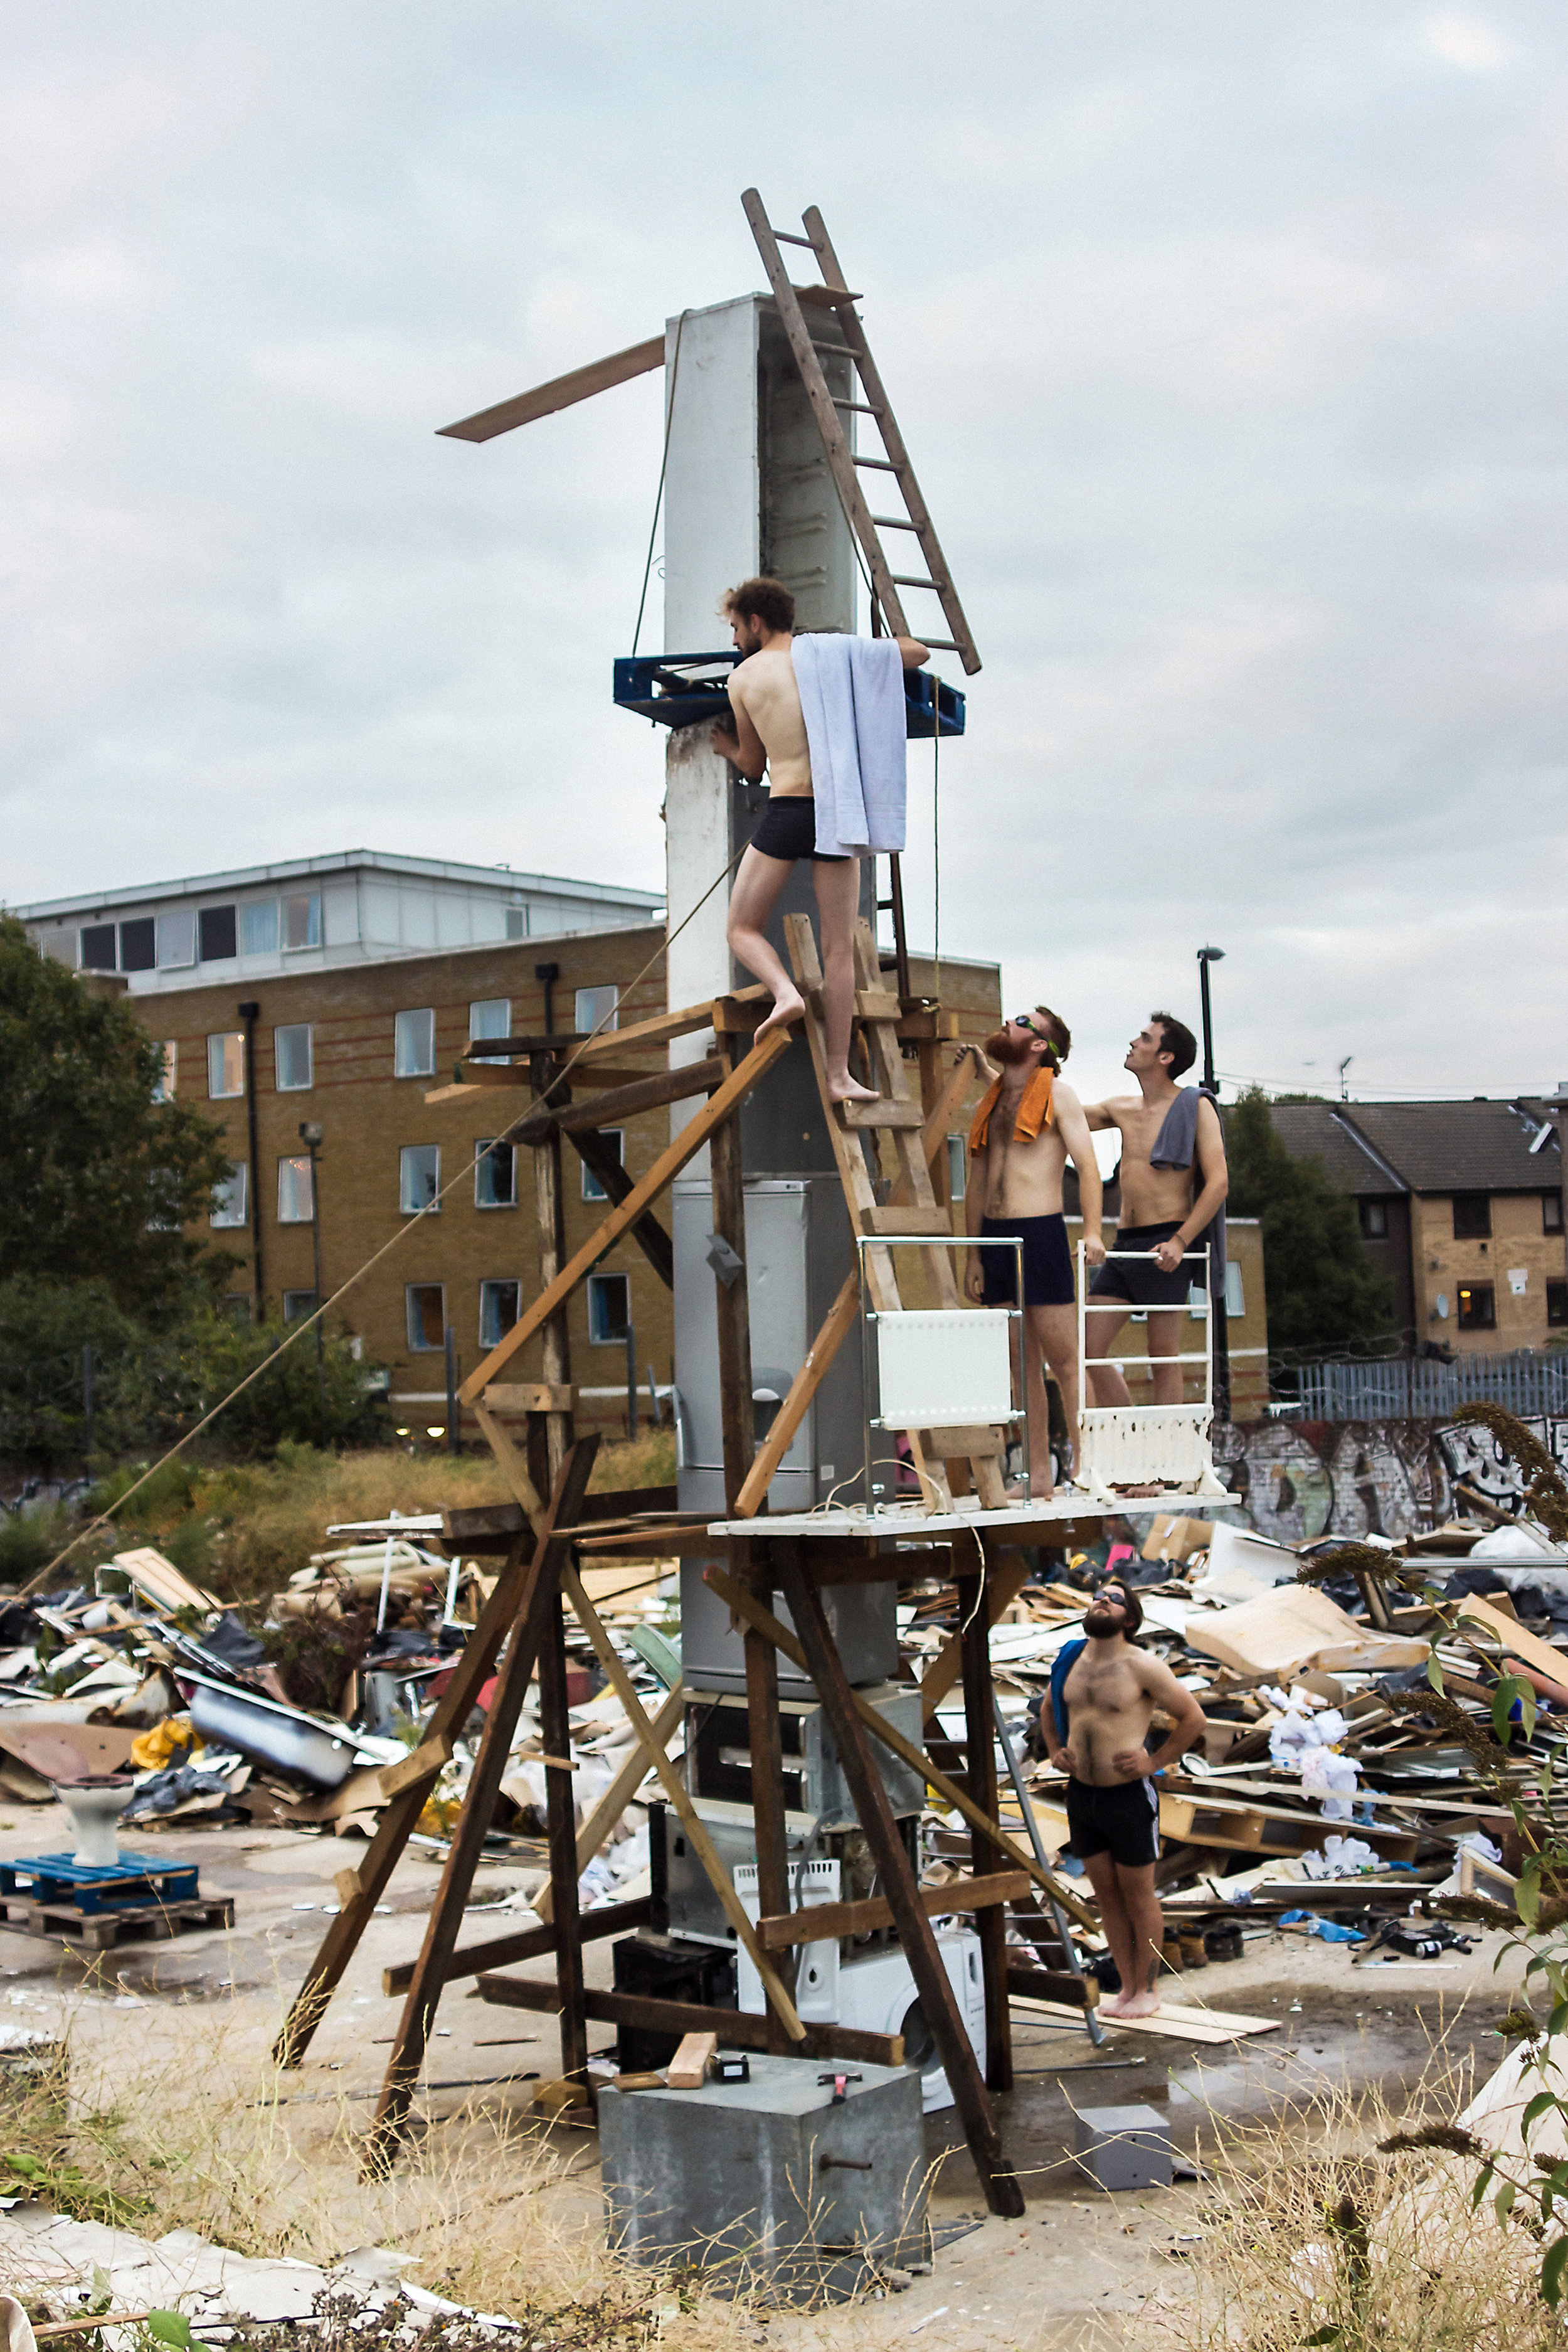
x=1316, y=2238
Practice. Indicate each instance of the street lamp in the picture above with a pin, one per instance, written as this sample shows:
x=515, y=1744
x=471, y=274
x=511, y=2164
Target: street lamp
x=1218, y=1310
x=310, y=1136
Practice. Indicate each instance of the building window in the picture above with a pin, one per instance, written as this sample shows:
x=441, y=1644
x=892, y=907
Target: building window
x=592, y=1190
x=259, y=927
x=218, y=942
x=302, y=919
x=419, y=1177
x=97, y=947
x=413, y=1043
x=229, y=1204
x=490, y=1017
x=494, y=1176
x=1478, y=1308
x=597, y=1008
x=1374, y=1220
x=1235, y=1295
x=958, y=1165
x=1472, y=1217
x=139, y=945
x=516, y=922
x=426, y=1308
x=291, y=1051
x=298, y=1303
x=163, y=1085
x=225, y=1065
x=1557, y=1303
x=295, y=1201
x=1551, y=1212
x=499, y=1307
x=177, y=939
x=609, y=1308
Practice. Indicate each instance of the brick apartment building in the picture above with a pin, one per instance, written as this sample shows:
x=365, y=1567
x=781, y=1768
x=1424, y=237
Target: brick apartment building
x=1461, y=1206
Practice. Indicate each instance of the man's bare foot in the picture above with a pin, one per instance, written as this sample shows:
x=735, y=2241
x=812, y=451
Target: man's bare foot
x=1137, y=2004
x=848, y=1089
x=786, y=1009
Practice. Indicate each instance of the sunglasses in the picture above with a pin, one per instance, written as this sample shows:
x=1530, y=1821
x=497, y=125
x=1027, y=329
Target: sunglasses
x=1022, y=1021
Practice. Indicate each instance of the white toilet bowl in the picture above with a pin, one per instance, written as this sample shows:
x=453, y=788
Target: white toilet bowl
x=94, y=1807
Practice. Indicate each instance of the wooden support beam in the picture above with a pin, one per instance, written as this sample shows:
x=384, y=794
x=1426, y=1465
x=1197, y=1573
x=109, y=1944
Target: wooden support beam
x=819, y=1923
x=560, y=1824
x=625, y=1102
x=746, y=1606
x=739, y=2028
x=980, y=1756
x=513, y=1587
x=561, y=392
x=702, y=1845
x=1008, y=1573
x=596, y=1829
x=668, y=1166
x=523, y=1944
x=874, y=1813
x=540, y=1612
x=550, y=1201
x=596, y=1153
x=842, y=1319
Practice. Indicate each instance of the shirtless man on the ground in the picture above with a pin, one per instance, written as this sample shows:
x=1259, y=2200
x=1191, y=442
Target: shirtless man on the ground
x=1015, y=1188
x=1160, y=1214
x=1102, y=1698
x=769, y=732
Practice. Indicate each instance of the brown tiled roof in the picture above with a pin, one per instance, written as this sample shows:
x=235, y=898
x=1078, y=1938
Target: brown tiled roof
x=1436, y=1146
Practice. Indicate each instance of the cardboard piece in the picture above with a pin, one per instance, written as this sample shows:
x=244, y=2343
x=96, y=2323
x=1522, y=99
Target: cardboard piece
x=1278, y=1631
x=1171, y=1537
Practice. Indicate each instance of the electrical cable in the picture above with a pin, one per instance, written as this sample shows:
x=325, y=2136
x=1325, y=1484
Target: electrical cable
x=664, y=463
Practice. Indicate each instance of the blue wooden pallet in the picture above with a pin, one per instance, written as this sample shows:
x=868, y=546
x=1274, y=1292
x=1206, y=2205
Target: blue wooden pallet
x=91, y=1888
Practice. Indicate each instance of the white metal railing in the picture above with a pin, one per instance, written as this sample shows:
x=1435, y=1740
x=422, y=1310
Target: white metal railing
x=1123, y=1445
x=882, y=1472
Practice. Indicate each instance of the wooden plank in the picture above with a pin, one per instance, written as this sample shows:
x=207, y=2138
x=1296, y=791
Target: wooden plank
x=549, y=1203
x=687, y=2070
x=723, y=1884
x=873, y=1811
x=598, y=1154
x=1053, y=1984
x=746, y=1606
x=626, y=1102
x=523, y=1944
x=841, y=1321
x=560, y=1824
x=1172, y=2018
x=530, y=1640
x=668, y=1165
x=881, y=1114
x=912, y=1221
x=1514, y=1638
x=820, y=1922
x=513, y=1467
x=529, y=1396
x=470, y=1672
x=432, y=1755
x=739, y=2028
x=561, y=392
x=659, y=1026
x=738, y=1414
x=596, y=1828
x=980, y=1756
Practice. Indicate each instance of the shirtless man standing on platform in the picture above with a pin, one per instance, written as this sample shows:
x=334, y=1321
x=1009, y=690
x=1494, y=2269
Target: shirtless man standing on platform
x=1104, y=1694
x=1023, y=1131
x=769, y=732
x=1159, y=1213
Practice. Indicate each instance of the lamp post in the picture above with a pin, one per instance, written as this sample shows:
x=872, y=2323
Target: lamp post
x=310, y=1136
x=1218, y=1313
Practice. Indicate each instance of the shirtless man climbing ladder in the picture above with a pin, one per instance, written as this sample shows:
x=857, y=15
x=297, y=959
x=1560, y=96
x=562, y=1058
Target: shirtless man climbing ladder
x=1104, y=1693
x=769, y=732
x=1023, y=1130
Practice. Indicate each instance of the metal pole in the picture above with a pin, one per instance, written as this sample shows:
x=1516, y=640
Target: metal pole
x=250, y=1014
x=1203, y=964
x=630, y=1379
x=451, y=1390
x=310, y=1136
x=1218, y=1309
x=1059, y=1917
x=86, y=1406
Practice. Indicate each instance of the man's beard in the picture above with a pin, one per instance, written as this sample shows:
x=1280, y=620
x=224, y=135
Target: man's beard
x=1098, y=1622
x=1000, y=1047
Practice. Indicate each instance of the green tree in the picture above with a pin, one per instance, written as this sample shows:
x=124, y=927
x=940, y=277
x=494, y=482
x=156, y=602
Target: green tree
x=97, y=1180
x=1324, y=1291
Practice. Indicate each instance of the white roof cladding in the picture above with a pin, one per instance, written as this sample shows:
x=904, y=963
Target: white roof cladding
x=357, y=907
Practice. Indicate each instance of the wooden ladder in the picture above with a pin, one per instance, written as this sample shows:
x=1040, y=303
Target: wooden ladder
x=911, y=1210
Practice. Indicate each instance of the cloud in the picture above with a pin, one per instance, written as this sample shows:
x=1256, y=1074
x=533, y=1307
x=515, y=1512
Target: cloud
x=1468, y=41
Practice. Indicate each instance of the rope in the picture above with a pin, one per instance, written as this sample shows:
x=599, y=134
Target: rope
x=937, y=839
x=664, y=463
x=308, y=1322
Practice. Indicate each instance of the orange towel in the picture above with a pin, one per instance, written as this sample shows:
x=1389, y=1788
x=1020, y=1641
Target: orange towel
x=1034, y=1111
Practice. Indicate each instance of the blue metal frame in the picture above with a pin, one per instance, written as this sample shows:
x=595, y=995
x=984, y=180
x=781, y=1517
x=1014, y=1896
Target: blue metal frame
x=670, y=690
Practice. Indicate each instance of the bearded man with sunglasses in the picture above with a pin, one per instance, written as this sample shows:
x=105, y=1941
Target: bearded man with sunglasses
x=1028, y=1123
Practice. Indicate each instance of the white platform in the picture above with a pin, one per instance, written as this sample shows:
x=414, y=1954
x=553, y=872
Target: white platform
x=912, y=1519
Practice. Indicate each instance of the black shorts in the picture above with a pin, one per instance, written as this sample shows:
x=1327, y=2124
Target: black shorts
x=1123, y=1822
x=1046, y=1261
x=1141, y=1284
x=786, y=829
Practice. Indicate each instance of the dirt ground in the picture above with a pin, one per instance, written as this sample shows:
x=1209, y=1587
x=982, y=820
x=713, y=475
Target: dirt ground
x=1079, y=2268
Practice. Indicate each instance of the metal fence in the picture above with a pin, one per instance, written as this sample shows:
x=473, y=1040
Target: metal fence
x=1526, y=1382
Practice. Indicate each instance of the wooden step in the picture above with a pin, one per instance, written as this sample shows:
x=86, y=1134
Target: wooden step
x=914, y=1222
x=881, y=1114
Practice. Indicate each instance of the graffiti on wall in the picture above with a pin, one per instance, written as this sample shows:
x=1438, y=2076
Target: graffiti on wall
x=1295, y=1480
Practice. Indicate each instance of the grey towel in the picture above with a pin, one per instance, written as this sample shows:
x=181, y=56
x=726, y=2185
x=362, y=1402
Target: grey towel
x=1175, y=1146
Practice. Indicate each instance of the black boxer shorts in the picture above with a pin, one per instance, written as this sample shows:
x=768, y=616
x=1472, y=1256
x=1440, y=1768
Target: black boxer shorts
x=1123, y=1822
x=1145, y=1284
x=787, y=830
x=1046, y=1261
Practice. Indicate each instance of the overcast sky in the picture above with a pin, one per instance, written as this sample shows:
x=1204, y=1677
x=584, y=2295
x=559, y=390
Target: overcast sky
x=1228, y=339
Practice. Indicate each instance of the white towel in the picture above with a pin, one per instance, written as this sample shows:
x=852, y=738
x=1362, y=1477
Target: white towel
x=851, y=697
